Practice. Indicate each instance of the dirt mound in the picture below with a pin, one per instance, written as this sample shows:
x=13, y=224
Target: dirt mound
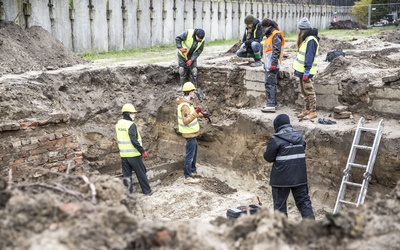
x=31, y=49
x=329, y=44
x=39, y=217
x=392, y=36
x=347, y=24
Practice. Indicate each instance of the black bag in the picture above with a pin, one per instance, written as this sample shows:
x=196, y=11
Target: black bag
x=333, y=54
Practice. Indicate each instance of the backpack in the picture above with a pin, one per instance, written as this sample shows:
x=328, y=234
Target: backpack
x=333, y=54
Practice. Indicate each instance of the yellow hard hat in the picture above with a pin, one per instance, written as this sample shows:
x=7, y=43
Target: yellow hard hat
x=188, y=86
x=128, y=108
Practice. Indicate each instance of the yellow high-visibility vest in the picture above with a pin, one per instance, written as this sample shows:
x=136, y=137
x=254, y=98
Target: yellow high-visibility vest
x=189, y=42
x=268, y=43
x=298, y=63
x=192, y=127
x=126, y=148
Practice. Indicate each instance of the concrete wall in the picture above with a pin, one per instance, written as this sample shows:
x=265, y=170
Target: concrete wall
x=144, y=23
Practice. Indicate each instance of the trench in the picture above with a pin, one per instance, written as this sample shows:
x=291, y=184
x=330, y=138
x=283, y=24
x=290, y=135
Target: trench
x=86, y=103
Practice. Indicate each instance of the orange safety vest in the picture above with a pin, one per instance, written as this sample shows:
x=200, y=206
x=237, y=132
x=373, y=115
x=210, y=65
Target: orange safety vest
x=267, y=46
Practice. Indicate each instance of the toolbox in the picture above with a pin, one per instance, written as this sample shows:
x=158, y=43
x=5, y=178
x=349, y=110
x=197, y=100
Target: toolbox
x=236, y=212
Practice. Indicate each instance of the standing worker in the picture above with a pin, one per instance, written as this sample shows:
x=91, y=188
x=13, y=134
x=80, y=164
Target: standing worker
x=286, y=149
x=190, y=45
x=131, y=150
x=189, y=128
x=251, y=46
x=305, y=66
x=272, y=59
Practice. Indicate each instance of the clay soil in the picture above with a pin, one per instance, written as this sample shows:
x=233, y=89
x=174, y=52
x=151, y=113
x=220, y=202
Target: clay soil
x=92, y=209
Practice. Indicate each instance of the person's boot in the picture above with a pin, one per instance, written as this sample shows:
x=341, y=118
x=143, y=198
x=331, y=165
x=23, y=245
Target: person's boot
x=304, y=113
x=256, y=63
x=311, y=115
x=181, y=82
x=267, y=109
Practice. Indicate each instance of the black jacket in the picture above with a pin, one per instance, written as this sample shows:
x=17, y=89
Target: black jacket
x=286, y=149
x=253, y=38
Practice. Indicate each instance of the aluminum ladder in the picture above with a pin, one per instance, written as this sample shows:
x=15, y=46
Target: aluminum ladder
x=350, y=163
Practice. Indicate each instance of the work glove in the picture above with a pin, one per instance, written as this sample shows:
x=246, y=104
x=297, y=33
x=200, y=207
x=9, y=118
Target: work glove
x=198, y=109
x=189, y=62
x=248, y=43
x=144, y=155
x=272, y=68
x=243, y=48
x=305, y=75
x=183, y=50
x=305, y=78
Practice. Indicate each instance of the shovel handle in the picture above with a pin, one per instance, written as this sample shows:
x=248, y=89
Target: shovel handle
x=259, y=201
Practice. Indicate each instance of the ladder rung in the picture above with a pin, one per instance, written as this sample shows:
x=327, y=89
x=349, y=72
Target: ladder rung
x=357, y=165
x=348, y=202
x=363, y=147
x=368, y=129
x=353, y=184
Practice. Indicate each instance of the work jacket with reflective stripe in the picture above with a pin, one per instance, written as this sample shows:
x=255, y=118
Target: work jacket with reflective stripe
x=126, y=148
x=286, y=149
x=188, y=43
x=299, y=62
x=273, y=49
x=193, y=126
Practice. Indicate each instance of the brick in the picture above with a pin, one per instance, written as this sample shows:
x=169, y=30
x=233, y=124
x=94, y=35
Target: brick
x=44, y=138
x=29, y=147
x=27, y=124
x=39, y=151
x=70, y=155
x=34, y=140
x=60, y=141
x=48, y=143
x=66, y=134
x=78, y=154
x=54, y=148
x=78, y=160
x=69, y=139
x=10, y=127
x=58, y=135
x=70, y=145
x=23, y=154
x=52, y=137
x=17, y=161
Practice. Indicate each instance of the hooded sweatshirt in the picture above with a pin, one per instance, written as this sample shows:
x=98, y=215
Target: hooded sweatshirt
x=286, y=149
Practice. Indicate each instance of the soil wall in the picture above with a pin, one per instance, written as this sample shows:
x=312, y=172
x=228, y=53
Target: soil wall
x=90, y=100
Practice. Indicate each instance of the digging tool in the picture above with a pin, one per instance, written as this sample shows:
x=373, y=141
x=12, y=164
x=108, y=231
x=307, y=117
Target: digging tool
x=259, y=201
x=207, y=116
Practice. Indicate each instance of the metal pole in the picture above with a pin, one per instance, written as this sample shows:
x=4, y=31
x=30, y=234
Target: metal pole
x=369, y=16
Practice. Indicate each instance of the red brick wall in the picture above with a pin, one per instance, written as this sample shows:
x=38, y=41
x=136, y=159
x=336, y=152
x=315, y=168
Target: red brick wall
x=33, y=148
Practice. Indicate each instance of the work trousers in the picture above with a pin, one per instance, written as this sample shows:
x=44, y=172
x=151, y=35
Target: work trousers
x=254, y=51
x=301, y=197
x=136, y=164
x=270, y=87
x=190, y=157
x=307, y=89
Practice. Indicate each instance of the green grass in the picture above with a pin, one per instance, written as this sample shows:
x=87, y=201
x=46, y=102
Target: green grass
x=168, y=51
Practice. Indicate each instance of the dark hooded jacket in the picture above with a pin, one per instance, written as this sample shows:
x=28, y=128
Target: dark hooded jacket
x=286, y=149
x=257, y=37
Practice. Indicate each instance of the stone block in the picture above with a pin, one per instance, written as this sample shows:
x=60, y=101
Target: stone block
x=386, y=106
x=385, y=93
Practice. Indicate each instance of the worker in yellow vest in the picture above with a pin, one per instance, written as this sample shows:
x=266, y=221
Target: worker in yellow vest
x=189, y=127
x=251, y=41
x=131, y=150
x=190, y=45
x=272, y=60
x=305, y=66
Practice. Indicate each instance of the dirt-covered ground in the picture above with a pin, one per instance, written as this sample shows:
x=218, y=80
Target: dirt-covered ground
x=92, y=210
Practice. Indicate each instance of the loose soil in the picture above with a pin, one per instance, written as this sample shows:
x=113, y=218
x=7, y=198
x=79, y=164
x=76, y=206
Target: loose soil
x=65, y=212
